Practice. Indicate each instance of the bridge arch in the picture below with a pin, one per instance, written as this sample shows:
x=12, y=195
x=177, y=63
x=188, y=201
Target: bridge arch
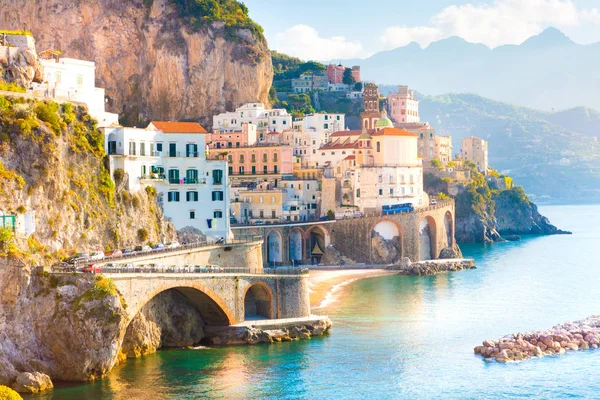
x=427, y=238
x=317, y=239
x=449, y=229
x=258, y=301
x=212, y=307
x=386, y=241
x=296, y=244
x=274, y=246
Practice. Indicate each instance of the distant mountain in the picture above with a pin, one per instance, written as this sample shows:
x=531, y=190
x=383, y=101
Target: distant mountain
x=550, y=154
x=547, y=71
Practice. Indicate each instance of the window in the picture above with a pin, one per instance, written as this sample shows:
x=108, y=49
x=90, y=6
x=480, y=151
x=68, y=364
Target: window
x=284, y=122
x=191, y=150
x=273, y=214
x=274, y=157
x=230, y=170
x=173, y=196
x=326, y=126
x=174, y=176
x=172, y=150
x=241, y=158
x=191, y=196
x=230, y=158
x=261, y=199
x=380, y=192
x=265, y=157
x=229, y=144
x=314, y=142
x=241, y=170
x=218, y=214
x=274, y=122
x=378, y=147
x=158, y=146
x=314, y=151
x=275, y=169
x=237, y=144
x=357, y=192
x=265, y=169
x=217, y=195
x=326, y=117
x=192, y=214
x=132, y=148
x=191, y=176
x=217, y=176
x=391, y=191
x=338, y=117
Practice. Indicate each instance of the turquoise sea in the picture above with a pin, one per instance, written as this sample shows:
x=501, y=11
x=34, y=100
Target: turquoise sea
x=401, y=337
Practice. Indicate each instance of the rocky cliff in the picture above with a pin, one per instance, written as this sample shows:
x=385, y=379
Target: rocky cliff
x=52, y=163
x=151, y=60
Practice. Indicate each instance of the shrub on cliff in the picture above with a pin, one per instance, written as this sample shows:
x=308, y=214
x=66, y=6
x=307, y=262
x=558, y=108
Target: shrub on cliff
x=142, y=234
x=7, y=393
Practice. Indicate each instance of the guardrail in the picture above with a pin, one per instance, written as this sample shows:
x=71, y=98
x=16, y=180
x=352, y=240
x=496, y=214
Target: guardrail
x=237, y=240
x=198, y=269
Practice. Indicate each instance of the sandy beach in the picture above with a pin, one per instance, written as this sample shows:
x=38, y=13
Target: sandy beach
x=325, y=285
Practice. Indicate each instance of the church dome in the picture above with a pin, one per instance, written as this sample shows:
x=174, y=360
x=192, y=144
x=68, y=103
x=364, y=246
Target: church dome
x=364, y=136
x=384, y=122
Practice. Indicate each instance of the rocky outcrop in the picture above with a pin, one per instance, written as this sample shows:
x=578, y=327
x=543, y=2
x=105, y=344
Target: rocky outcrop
x=20, y=64
x=152, y=64
x=450, y=253
x=36, y=382
x=520, y=216
x=168, y=320
x=384, y=251
x=432, y=267
x=68, y=327
x=236, y=335
x=332, y=256
x=571, y=336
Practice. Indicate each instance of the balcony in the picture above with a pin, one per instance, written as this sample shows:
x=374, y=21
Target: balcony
x=193, y=154
x=153, y=177
x=173, y=154
x=185, y=181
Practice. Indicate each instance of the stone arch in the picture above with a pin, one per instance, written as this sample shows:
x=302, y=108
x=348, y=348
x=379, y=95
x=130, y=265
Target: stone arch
x=296, y=244
x=317, y=239
x=427, y=238
x=258, y=301
x=274, y=246
x=212, y=307
x=449, y=229
x=386, y=241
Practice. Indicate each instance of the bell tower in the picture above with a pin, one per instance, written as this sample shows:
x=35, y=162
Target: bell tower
x=371, y=106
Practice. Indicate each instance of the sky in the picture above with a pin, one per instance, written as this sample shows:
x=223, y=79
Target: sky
x=339, y=29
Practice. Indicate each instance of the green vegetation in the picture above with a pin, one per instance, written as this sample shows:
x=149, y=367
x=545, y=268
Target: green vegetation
x=443, y=196
x=151, y=191
x=11, y=87
x=6, y=239
x=436, y=163
x=22, y=32
x=7, y=393
x=142, y=234
x=199, y=13
x=330, y=214
x=118, y=175
x=348, y=79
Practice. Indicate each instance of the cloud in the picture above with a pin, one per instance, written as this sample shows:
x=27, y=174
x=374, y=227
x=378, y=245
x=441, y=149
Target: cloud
x=592, y=15
x=304, y=42
x=494, y=24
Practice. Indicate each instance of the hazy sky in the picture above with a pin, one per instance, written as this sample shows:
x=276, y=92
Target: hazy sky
x=324, y=30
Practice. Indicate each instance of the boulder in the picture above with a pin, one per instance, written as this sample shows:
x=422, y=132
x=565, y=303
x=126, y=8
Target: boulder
x=449, y=253
x=28, y=382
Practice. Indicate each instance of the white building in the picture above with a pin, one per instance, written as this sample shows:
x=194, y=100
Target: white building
x=303, y=197
x=170, y=156
x=277, y=120
x=321, y=122
x=68, y=79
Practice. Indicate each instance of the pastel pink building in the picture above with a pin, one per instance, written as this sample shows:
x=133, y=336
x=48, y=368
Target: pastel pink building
x=258, y=160
x=225, y=140
x=335, y=73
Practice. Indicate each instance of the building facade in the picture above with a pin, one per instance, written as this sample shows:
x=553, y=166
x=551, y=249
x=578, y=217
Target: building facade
x=403, y=107
x=309, y=82
x=335, y=73
x=371, y=106
x=170, y=156
x=276, y=120
x=476, y=150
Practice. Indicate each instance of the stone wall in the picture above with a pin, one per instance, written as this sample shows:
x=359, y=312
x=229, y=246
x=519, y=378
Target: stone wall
x=219, y=298
x=352, y=237
x=21, y=41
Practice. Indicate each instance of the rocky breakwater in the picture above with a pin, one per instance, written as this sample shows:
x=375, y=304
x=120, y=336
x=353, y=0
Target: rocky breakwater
x=570, y=336
x=432, y=267
x=277, y=332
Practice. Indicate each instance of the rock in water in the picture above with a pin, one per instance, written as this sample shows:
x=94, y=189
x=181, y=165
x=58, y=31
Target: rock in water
x=35, y=382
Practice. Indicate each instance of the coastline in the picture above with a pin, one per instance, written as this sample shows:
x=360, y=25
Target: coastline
x=325, y=284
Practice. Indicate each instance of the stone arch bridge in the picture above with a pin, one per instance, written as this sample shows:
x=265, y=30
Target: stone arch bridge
x=222, y=299
x=373, y=238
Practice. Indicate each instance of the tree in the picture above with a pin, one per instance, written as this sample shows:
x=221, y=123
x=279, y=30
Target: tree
x=330, y=214
x=436, y=163
x=6, y=238
x=348, y=78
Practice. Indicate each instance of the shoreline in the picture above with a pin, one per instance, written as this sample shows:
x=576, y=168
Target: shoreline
x=324, y=285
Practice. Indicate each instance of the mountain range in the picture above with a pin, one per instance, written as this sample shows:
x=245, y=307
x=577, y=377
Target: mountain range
x=548, y=71
x=553, y=155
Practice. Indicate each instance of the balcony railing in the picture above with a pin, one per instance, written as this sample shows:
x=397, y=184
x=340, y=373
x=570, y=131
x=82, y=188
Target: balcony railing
x=173, y=154
x=154, y=177
x=193, y=154
x=186, y=181
x=257, y=172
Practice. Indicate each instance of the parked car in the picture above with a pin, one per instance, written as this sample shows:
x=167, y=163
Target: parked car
x=159, y=246
x=114, y=253
x=92, y=269
x=259, y=222
x=128, y=251
x=96, y=256
x=62, y=267
x=215, y=268
x=146, y=248
x=433, y=202
x=77, y=258
x=173, y=245
x=324, y=218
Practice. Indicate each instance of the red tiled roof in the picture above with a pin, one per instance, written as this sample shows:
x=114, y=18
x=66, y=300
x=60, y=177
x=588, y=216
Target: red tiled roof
x=350, y=158
x=356, y=132
x=178, y=127
x=394, y=132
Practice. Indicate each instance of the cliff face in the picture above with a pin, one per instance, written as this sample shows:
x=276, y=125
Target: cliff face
x=151, y=64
